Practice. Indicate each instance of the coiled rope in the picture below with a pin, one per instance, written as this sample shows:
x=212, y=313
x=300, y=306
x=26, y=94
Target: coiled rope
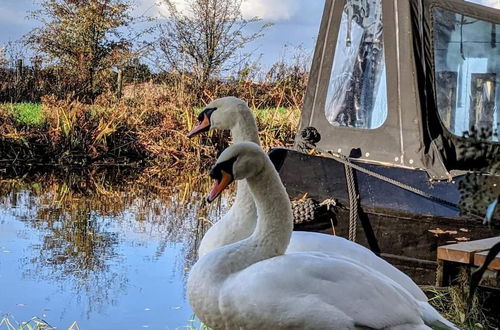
x=353, y=202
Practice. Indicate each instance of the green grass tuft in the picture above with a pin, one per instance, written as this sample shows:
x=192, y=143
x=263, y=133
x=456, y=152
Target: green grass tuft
x=268, y=113
x=27, y=113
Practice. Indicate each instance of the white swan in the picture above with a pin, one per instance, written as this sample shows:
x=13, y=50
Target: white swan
x=231, y=113
x=252, y=284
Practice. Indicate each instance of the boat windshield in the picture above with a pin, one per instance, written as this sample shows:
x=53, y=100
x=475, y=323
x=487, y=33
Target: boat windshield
x=357, y=95
x=467, y=71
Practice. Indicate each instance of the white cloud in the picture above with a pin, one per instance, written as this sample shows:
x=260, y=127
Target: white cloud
x=153, y=8
x=270, y=10
x=488, y=3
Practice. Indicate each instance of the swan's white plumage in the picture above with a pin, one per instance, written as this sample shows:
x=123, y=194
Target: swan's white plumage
x=239, y=222
x=328, y=300
x=251, y=284
x=234, y=225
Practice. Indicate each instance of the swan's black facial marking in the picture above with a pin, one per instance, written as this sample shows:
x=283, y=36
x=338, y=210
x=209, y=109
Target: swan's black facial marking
x=208, y=112
x=226, y=166
x=203, y=122
x=223, y=174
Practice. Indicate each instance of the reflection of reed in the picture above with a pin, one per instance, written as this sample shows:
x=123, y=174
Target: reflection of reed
x=82, y=213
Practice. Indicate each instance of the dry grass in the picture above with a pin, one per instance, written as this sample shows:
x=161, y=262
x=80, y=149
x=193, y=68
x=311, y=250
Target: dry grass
x=149, y=124
x=451, y=302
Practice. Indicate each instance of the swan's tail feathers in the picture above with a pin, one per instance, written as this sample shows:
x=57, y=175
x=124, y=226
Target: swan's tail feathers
x=407, y=326
x=433, y=319
x=444, y=325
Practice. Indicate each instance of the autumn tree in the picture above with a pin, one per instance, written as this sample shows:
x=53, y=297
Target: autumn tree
x=87, y=38
x=205, y=37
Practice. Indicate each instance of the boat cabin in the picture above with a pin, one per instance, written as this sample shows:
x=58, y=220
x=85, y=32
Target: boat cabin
x=393, y=89
x=403, y=80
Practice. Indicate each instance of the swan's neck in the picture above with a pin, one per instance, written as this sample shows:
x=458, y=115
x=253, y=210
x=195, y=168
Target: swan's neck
x=245, y=129
x=274, y=214
x=269, y=239
x=272, y=232
x=243, y=195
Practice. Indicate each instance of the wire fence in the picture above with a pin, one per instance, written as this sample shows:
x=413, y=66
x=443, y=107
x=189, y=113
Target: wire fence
x=21, y=82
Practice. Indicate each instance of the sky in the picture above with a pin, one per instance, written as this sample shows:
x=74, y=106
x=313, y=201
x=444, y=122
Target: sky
x=296, y=23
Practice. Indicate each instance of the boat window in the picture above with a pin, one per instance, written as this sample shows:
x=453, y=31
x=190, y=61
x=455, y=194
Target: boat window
x=357, y=95
x=467, y=68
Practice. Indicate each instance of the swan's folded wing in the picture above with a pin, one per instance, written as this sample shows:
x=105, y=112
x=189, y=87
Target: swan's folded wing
x=314, y=291
x=302, y=241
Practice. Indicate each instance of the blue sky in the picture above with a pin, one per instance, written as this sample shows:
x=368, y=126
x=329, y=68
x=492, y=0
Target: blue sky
x=296, y=23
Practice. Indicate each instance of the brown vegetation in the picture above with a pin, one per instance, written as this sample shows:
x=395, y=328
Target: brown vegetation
x=86, y=116
x=148, y=124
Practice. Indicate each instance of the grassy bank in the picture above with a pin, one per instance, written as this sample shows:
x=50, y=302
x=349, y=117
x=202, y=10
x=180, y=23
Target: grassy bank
x=148, y=126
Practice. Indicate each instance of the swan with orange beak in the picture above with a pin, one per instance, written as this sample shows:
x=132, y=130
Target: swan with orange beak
x=254, y=284
x=230, y=113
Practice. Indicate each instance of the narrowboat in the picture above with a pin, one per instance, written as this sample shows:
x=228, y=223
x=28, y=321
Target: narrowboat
x=401, y=111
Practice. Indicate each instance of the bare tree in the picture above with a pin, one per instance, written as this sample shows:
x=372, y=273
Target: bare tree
x=204, y=38
x=13, y=51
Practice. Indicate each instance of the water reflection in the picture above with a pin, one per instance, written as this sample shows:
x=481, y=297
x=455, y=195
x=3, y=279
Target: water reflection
x=97, y=236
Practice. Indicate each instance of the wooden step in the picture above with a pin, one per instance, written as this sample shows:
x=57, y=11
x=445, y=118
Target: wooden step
x=479, y=258
x=465, y=252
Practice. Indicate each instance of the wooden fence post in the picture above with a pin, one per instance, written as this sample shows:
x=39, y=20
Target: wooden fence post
x=18, y=87
x=19, y=71
x=119, y=83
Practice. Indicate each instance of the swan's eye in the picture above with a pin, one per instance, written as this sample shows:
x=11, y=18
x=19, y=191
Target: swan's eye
x=208, y=112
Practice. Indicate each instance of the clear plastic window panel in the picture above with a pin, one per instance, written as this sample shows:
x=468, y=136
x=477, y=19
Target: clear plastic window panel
x=467, y=70
x=357, y=92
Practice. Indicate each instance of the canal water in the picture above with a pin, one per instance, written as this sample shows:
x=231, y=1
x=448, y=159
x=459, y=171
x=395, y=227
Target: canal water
x=109, y=249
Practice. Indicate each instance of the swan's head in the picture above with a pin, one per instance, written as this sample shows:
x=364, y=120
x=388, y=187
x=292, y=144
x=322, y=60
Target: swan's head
x=222, y=114
x=240, y=161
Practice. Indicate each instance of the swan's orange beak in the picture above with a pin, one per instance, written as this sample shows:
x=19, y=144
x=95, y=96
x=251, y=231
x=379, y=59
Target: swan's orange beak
x=203, y=125
x=219, y=186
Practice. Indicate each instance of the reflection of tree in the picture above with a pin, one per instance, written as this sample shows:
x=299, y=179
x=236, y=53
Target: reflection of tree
x=81, y=214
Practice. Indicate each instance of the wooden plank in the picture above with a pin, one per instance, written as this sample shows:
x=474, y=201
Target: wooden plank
x=479, y=258
x=464, y=252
